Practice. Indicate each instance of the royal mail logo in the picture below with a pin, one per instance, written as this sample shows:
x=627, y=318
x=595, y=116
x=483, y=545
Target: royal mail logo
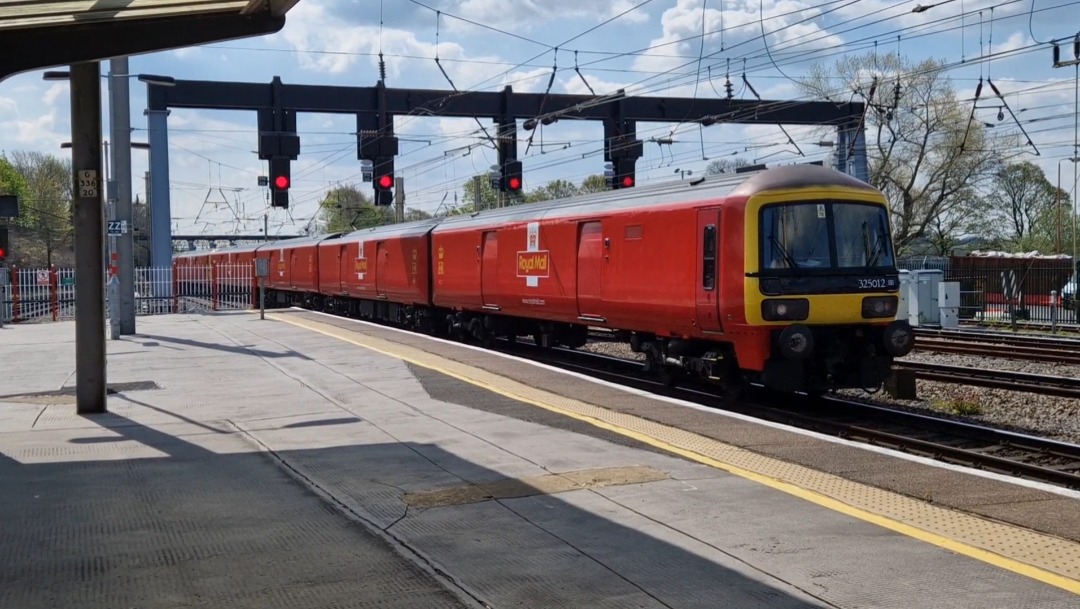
x=360, y=266
x=533, y=264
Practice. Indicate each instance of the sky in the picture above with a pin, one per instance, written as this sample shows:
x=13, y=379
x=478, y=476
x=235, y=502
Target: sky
x=684, y=48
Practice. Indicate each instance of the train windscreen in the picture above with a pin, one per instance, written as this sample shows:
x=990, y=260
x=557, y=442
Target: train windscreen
x=825, y=235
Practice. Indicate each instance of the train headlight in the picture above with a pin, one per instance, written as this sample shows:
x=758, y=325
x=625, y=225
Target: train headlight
x=785, y=309
x=879, y=306
x=899, y=338
x=796, y=342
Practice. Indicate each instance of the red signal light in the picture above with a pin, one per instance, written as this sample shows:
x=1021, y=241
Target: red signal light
x=627, y=182
x=385, y=182
x=3, y=254
x=281, y=182
x=515, y=183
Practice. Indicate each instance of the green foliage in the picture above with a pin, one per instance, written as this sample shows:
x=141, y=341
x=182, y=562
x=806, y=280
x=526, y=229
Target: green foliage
x=489, y=198
x=415, y=215
x=593, y=183
x=344, y=209
x=555, y=189
x=11, y=181
x=45, y=206
x=1023, y=199
x=967, y=403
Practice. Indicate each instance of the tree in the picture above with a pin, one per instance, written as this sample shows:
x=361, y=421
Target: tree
x=922, y=150
x=720, y=166
x=968, y=217
x=593, y=183
x=489, y=198
x=1021, y=194
x=415, y=215
x=555, y=189
x=344, y=208
x=46, y=209
x=11, y=181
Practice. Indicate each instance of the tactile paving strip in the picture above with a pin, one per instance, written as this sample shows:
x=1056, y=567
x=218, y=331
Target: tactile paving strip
x=1043, y=557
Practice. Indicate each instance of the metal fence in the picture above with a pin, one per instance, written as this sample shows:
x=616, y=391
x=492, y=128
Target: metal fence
x=39, y=295
x=1039, y=293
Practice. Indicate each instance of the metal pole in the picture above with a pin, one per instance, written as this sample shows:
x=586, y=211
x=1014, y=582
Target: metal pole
x=262, y=298
x=160, y=214
x=1057, y=204
x=1075, y=161
x=120, y=121
x=90, y=387
x=399, y=199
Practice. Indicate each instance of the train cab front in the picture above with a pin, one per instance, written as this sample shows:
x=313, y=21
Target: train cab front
x=825, y=295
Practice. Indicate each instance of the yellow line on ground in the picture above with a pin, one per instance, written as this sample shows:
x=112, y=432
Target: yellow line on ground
x=954, y=545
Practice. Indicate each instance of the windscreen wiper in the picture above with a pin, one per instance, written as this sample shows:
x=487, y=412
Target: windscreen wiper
x=784, y=254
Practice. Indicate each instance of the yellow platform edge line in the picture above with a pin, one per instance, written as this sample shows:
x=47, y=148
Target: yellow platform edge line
x=959, y=547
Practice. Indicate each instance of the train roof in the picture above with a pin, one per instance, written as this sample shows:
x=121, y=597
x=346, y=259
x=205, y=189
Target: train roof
x=671, y=192
x=298, y=241
x=405, y=229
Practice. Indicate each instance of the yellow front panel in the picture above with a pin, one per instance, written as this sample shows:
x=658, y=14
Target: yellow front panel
x=824, y=308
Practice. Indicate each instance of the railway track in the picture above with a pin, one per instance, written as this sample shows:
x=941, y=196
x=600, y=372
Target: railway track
x=1000, y=379
x=1007, y=350
x=947, y=440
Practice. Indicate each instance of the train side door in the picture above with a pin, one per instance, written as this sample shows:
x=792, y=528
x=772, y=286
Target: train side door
x=382, y=268
x=344, y=270
x=590, y=269
x=708, y=275
x=489, y=275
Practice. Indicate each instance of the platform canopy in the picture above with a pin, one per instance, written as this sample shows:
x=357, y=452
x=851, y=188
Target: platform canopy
x=39, y=34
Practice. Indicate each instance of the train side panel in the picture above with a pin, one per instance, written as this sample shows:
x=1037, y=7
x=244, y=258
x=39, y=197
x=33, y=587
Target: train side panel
x=303, y=267
x=649, y=271
x=331, y=278
x=401, y=269
x=533, y=270
x=456, y=261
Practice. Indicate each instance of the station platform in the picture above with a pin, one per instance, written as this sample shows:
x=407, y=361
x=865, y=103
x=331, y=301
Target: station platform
x=311, y=461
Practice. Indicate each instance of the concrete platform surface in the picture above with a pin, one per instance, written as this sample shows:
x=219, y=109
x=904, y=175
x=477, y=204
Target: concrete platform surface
x=255, y=463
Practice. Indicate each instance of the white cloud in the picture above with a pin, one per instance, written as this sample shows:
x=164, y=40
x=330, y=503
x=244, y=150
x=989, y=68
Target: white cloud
x=789, y=25
x=1017, y=40
x=55, y=92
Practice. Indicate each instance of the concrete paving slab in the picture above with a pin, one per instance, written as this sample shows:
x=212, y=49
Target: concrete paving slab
x=91, y=524
x=361, y=431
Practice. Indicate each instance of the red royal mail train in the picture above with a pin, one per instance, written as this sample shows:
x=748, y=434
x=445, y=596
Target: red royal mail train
x=783, y=277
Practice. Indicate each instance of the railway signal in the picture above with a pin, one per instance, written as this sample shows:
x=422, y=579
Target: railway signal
x=511, y=177
x=384, y=189
x=3, y=243
x=280, y=181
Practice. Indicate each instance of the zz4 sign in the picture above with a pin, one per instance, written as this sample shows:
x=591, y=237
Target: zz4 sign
x=117, y=227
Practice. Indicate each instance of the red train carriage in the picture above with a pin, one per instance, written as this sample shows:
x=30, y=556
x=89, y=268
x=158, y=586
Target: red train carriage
x=784, y=277
x=381, y=272
x=294, y=269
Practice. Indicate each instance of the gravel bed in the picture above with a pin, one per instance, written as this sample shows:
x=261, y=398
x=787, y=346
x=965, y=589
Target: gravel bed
x=1031, y=413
